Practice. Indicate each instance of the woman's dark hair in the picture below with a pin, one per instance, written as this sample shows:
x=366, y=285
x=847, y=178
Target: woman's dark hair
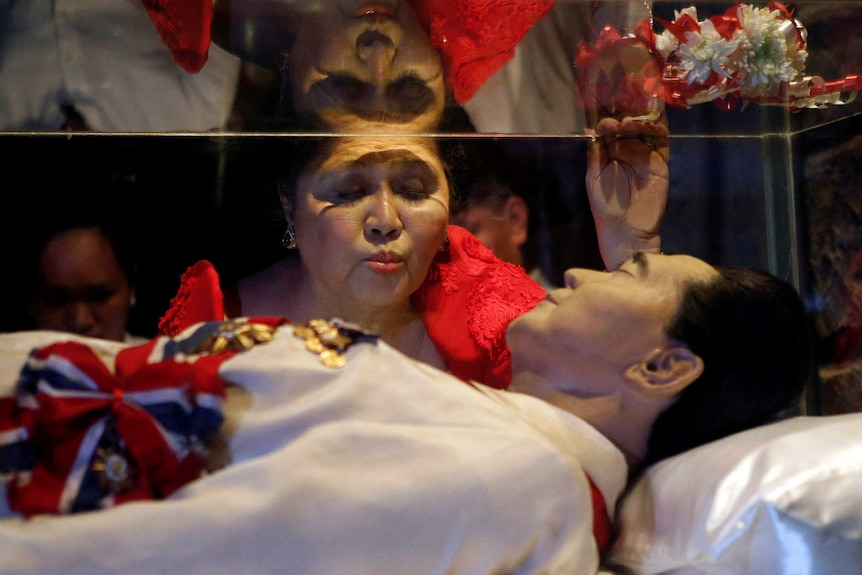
x=752, y=333
x=108, y=225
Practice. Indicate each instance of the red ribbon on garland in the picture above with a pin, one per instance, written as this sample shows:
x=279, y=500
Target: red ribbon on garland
x=630, y=91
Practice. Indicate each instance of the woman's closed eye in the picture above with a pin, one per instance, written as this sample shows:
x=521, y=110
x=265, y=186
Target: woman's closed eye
x=636, y=267
x=409, y=95
x=346, y=186
x=337, y=89
x=413, y=180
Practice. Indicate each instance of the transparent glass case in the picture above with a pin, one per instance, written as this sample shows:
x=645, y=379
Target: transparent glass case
x=764, y=185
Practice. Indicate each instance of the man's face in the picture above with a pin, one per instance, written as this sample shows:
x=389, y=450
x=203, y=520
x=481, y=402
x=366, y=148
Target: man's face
x=583, y=337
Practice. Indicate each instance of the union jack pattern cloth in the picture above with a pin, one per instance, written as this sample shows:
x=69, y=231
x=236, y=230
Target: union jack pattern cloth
x=86, y=431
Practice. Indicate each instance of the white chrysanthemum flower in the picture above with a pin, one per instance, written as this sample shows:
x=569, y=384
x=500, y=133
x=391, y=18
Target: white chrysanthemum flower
x=690, y=11
x=705, y=52
x=766, y=56
x=666, y=44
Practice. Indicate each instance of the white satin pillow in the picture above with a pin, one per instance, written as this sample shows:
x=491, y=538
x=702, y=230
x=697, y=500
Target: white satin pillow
x=781, y=499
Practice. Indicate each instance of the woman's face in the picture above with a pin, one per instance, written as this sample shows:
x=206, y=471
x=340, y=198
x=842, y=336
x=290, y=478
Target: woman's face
x=369, y=218
x=357, y=64
x=83, y=289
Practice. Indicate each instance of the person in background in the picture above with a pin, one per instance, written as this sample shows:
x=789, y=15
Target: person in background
x=848, y=340
x=102, y=65
x=488, y=207
x=83, y=278
x=498, y=217
x=840, y=351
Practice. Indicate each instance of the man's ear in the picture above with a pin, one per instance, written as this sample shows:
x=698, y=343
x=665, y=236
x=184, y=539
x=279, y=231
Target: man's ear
x=664, y=373
x=518, y=216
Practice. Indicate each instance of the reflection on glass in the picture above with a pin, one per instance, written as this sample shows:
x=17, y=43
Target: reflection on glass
x=348, y=65
x=356, y=65
x=101, y=65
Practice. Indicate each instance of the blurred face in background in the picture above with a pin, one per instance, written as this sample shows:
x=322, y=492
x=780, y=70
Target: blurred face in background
x=501, y=227
x=82, y=287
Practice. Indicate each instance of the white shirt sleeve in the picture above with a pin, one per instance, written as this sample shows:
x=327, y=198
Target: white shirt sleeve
x=106, y=58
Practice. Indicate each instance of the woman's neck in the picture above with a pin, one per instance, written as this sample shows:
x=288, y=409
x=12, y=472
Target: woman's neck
x=287, y=290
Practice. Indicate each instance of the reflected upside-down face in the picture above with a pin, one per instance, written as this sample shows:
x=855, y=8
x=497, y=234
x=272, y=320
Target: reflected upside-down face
x=362, y=65
x=584, y=336
x=369, y=218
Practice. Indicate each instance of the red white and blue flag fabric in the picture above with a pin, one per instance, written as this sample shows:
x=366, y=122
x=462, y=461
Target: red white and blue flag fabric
x=87, y=432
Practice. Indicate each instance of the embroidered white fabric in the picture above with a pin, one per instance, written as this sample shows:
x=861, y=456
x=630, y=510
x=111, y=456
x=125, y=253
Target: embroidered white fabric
x=782, y=499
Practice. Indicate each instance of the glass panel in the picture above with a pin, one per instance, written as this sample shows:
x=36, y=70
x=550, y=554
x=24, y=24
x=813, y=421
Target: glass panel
x=189, y=159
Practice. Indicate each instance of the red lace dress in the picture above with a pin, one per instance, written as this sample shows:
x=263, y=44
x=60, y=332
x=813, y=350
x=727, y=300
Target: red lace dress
x=467, y=302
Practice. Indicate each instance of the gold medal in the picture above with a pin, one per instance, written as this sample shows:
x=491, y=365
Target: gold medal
x=314, y=344
x=331, y=358
x=236, y=336
x=303, y=332
x=330, y=338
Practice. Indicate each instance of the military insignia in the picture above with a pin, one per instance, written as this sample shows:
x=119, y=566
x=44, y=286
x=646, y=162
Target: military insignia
x=236, y=336
x=113, y=465
x=330, y=339
x=114, y=469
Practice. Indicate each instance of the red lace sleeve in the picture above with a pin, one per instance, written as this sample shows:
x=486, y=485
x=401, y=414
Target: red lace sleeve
x=185, y=27
x=476, y=37
x=198, y=299
x=468, y=301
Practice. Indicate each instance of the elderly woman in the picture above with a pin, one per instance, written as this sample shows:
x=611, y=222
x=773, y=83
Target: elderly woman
x=368, y=216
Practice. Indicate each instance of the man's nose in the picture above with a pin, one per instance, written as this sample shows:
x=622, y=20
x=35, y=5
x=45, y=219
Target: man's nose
x=576, y=277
